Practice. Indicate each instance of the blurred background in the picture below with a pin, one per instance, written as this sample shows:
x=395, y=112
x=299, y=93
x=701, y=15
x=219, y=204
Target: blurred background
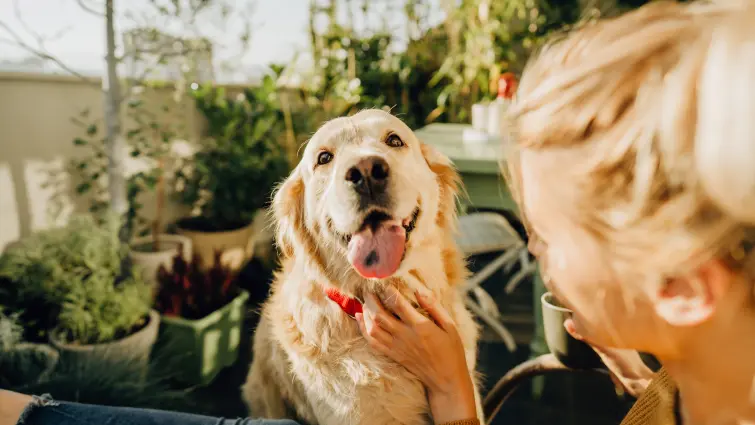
x=179, y=117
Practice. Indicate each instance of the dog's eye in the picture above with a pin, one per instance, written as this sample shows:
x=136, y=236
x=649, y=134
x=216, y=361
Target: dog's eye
x=324, y=157
x=394, y=141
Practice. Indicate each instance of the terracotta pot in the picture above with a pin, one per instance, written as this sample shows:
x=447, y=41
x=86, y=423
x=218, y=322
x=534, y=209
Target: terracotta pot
x=149, y=261
x=133, y=351
x=236, y=246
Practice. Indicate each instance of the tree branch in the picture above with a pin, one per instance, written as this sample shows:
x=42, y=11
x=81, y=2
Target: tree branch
x=89, y=9
x=41, y=53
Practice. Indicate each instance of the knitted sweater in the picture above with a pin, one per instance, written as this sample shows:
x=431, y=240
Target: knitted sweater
x=657, y=405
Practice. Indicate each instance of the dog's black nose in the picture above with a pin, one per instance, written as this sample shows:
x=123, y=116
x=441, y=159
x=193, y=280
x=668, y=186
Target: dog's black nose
x=369, y=176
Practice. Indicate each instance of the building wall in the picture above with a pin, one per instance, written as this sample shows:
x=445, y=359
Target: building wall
x=36, y=134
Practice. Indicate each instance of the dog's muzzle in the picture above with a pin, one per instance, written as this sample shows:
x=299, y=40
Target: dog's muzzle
x=369, y=178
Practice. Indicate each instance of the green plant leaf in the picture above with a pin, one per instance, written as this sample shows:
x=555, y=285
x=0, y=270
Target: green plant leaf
x=92, y=129
x=80, y=142
x=84, y=187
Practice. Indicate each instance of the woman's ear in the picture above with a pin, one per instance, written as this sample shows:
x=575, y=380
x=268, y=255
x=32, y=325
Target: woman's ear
x=693, y=300
x=448, y=180
x=288, y=212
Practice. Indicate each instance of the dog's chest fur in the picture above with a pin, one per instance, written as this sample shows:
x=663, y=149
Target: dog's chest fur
x=344, y=381
x=310, y=353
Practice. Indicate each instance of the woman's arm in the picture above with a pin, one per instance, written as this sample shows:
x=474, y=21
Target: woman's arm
x=429, y=348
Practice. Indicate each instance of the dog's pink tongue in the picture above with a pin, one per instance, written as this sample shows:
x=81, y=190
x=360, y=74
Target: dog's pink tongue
x=377, y=253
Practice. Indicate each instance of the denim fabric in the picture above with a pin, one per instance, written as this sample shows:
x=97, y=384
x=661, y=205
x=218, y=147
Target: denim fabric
x=45, y=411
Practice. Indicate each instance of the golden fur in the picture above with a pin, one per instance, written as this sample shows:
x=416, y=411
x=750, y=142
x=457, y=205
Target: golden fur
x=310, y=360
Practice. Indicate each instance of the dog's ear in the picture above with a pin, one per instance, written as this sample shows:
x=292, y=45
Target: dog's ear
x=449, y=182
x=288, y=212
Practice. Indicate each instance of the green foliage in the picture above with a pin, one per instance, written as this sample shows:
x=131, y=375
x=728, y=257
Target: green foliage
x=109, y=383
x=22, y=363
x=26, y=364
x=74, y=281
x=11, y=331
x=486, y=39
x=232, y=174
x=363, y=69
x=148, y=140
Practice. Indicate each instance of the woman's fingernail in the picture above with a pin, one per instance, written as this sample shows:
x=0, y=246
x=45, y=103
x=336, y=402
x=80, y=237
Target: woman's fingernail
x=424, y=296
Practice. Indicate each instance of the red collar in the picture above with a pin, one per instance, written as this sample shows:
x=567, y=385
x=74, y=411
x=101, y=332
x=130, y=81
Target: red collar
x=350, y=306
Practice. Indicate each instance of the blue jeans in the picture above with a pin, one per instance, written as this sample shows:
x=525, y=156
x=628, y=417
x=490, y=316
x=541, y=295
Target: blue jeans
x=45, y=411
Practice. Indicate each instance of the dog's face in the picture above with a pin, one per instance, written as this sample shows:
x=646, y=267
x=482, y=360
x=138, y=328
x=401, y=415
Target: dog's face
x=364, y=194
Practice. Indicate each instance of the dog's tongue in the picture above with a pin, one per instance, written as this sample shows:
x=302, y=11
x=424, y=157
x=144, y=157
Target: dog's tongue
x=377, y=253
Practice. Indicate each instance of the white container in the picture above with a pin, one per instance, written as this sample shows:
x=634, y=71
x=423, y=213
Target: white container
x=480, y=116
x=496, y=116
x=149, y=260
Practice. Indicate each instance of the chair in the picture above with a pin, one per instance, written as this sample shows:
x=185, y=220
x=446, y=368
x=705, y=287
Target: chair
x=546, y=364
x=488, y=232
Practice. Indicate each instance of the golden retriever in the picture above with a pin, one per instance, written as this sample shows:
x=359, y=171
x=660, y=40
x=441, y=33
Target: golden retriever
x=369, y=205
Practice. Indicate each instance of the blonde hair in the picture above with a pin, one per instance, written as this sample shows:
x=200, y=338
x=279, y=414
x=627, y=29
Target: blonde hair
x=658, y=108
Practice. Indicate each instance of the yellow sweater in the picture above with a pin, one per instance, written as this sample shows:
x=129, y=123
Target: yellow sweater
x=657, y=405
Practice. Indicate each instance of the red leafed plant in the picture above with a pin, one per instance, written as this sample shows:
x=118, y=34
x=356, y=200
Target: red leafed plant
x=192, y=293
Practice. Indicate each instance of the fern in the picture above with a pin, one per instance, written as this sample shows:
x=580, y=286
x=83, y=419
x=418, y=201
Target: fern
x=75, y=281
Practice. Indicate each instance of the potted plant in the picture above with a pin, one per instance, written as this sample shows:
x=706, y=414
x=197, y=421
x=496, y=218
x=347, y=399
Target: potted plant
x=149, y=141
x=22, y=364
x=74, y=287
x=202, y=316
x=231, y=175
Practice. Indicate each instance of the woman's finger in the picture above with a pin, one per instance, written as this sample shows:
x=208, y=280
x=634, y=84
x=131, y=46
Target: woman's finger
x=437, y=312
x=374, y=343
x=398, y=304
x=381, y=316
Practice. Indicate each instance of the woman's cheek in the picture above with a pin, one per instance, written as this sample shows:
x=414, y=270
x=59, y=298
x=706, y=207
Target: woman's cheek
x=570, y=274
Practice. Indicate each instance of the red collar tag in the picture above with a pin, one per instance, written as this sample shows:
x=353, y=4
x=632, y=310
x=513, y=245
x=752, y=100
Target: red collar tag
x=350, y=306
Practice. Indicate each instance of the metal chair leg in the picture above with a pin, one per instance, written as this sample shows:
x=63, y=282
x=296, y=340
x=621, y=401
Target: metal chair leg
x=501, y=330
x=490, y=268
x=487, y=303
x=527, y=269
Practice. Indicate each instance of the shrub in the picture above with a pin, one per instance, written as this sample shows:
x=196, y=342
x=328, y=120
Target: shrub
x=74, y=281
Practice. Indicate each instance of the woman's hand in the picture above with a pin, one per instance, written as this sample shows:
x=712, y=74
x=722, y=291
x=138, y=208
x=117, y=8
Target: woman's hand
x=431, y=349
x=628, y=372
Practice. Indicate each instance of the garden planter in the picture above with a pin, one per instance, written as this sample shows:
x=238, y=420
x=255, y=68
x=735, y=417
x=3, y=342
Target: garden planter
x=197, y=350
x=149, y=261
x=131, y=352
x=26, y=364
x=236, y=246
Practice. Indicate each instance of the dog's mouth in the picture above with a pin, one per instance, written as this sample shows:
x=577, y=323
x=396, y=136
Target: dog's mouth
x=377, y=249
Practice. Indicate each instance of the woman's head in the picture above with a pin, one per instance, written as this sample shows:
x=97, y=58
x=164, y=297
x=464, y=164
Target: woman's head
x=634, y=167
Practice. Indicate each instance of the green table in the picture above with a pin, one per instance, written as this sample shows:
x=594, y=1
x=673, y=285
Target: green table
x=478, y=164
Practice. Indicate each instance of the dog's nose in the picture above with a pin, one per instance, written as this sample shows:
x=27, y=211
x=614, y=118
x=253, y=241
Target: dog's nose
x=369, y=176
